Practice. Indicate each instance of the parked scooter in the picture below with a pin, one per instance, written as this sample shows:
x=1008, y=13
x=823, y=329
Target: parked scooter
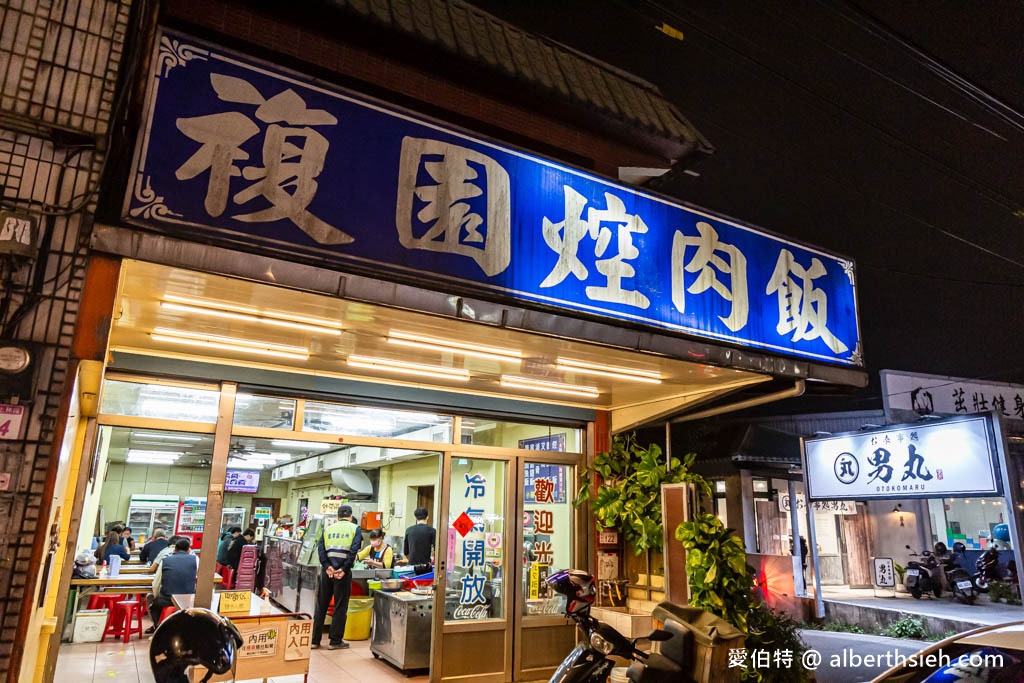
x=957, y=578
x=590, y=661
x=923, y=577
x=988, y=569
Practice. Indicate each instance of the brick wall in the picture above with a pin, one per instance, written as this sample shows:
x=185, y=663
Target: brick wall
x=58, y=70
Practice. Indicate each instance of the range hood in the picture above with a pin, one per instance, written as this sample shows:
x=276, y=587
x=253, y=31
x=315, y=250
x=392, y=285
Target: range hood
x=353, y=483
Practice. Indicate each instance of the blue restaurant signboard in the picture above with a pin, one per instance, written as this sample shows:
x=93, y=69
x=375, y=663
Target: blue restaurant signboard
x=238, y=151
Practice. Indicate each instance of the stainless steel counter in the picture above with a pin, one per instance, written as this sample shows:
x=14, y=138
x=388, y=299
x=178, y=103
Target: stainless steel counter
x=401, y=629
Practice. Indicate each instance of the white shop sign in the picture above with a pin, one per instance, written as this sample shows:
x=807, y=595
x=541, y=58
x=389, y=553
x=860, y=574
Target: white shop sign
x=839, y=507
x=885, y=572
x=942, y=458
x=940, y=395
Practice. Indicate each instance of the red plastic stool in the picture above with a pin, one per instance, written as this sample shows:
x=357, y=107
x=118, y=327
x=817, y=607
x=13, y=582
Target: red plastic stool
x=101, y=600
x=166, y=612
x=119, y=623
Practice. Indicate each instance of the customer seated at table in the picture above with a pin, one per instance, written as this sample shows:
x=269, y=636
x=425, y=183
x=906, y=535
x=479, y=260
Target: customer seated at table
x=151, y=549
x=127, y=539
x=177, y=576
x=234, y=554
x=378, y=554
x=112, y=546
x=225, y=543
x=155, y=564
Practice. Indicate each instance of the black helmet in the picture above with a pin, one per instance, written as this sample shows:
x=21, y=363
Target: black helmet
x=190, y=637
x=577, y=586
x=940, y=548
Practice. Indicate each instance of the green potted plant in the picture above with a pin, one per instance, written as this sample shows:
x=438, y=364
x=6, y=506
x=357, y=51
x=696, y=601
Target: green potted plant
x=629, y=496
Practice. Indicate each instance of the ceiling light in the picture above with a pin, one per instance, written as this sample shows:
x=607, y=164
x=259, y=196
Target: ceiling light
x=402, y=367
x=631, y=374
x=447, y=346
x=513, y=382
x=168, y=437
x=303, y=445
x=229, y=344
x=155, y=454
x=224, y=310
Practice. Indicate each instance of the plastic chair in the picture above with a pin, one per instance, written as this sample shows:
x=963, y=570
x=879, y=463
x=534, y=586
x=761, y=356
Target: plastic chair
x=228, y=574
x=166, y=612
x=104, y=600
x=120, y=622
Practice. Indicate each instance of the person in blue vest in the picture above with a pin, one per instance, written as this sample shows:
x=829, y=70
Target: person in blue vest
x=337, y=546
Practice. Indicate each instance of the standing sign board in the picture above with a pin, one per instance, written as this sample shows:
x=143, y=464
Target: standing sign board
x=885, y=572
x=249, y=155
x=942, y=458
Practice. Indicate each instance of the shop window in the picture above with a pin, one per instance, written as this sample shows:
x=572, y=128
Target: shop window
x=484, y=432
x=160, y=401
x=338, y=418
x=547, y=533
x=477, y=541
x=264, y=411
x=975, y=522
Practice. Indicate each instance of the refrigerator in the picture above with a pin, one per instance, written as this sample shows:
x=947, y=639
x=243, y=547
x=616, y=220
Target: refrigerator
x=192, y=519
x=149, y=511
x=232, y=517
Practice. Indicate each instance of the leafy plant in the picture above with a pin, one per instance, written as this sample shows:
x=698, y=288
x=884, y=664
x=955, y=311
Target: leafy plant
x=840, y=627
x=900, y=571
x=629, y=496
x=907, y=627
x=773, y=631
x=716, y=566
x=999, y=591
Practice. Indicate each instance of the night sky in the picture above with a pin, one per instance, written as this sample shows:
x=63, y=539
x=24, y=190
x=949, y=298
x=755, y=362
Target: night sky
x=888, y=132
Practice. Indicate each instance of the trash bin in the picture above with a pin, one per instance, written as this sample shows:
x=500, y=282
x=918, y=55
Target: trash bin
x=360, y=613
x=713, y=637
x=89, y=625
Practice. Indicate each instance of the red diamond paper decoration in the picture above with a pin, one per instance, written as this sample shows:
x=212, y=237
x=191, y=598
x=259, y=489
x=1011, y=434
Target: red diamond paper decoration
x=463, y=524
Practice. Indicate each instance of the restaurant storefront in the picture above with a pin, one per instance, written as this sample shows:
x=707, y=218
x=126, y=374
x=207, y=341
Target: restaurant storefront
x=306, y=281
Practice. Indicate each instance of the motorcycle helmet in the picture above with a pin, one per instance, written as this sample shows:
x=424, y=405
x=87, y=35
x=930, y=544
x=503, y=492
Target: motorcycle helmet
x=578, y=587
x=193, y=637
x=940, y=548
x=1001, y=532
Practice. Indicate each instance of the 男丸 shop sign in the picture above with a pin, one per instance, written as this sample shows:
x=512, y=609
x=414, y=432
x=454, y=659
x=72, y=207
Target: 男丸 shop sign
x=943, y=458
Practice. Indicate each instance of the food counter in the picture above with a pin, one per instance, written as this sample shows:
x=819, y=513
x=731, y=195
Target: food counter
x=401, y=628
x=301, y=572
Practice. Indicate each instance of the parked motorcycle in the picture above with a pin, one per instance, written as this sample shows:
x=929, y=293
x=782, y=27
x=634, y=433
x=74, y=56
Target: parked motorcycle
x=957, y=578
x=590, y=662
x=988, y=570
x=923, y=576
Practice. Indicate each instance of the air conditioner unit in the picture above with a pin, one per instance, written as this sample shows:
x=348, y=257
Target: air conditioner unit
x=353, y=483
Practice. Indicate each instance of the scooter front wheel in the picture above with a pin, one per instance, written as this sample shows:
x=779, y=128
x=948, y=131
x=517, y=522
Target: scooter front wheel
x=981, y=584
x=916, y=592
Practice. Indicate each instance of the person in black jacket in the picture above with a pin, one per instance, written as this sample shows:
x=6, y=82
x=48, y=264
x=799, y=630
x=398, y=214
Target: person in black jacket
x=234, y=555
x=153, y=547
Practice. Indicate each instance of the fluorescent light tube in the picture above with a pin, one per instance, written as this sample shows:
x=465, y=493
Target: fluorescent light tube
x=387, y=365
x=268, y=317
x=246, y=317
x=229, y=344
x=307, y=445
x=157, y=454
x=447, y=346
x=631, y=374
x=513, y=382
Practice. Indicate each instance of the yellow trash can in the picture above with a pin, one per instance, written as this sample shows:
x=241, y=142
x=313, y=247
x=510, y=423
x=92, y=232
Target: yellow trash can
x=360, y=613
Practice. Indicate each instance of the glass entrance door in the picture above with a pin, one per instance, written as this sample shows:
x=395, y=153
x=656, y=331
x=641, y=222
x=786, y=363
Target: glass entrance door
x=506, y=523
x=474, y=597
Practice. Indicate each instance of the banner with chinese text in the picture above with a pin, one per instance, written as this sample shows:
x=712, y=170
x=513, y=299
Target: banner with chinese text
x=256, y=157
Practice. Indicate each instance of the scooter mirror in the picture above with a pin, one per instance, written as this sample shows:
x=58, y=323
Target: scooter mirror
x=659, y=635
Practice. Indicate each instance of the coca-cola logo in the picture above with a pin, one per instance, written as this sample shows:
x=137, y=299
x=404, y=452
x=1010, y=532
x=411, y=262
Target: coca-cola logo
x=470, y=612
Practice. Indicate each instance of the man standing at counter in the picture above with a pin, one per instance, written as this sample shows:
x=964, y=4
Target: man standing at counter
x=337, y=547
x=419, y=540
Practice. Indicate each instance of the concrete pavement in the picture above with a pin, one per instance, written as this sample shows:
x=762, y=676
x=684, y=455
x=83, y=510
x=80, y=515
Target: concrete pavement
x=845, y=656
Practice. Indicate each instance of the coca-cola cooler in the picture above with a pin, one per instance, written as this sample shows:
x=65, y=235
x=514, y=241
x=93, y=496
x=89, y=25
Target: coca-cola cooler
x=191, y=520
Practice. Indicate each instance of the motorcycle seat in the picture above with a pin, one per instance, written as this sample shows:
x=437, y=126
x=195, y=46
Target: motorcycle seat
x=656, y=669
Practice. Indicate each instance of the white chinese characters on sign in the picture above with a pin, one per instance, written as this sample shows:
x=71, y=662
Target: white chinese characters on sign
x=711, y=258
x=803, y=310
x=463, y=203
x=565, y=237
x=293, y=156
